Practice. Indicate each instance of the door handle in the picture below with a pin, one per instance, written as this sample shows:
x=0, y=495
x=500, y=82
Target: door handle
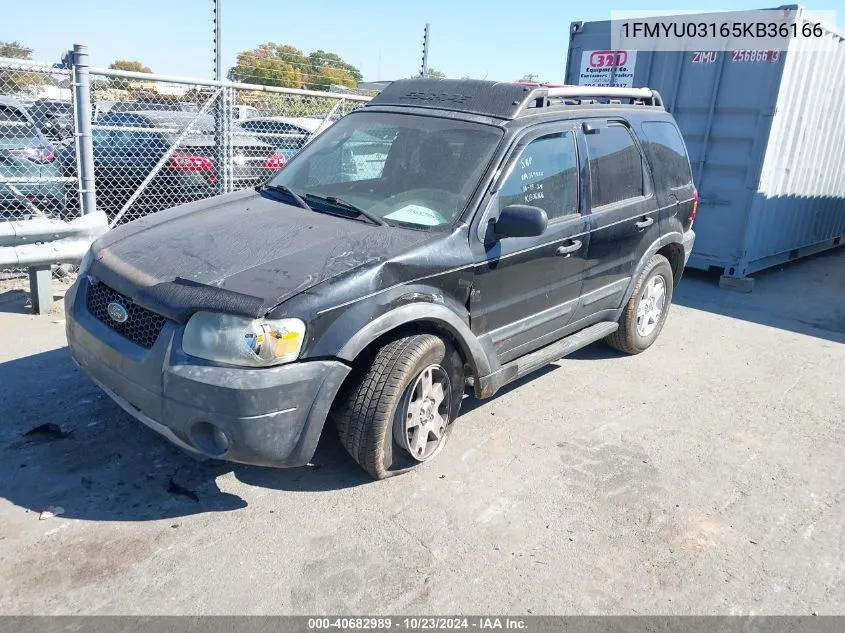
x=645, y=223
x=569, y=248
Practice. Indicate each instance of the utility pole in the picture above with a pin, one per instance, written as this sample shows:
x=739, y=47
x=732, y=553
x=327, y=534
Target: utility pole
x=424, y=68
x=218, y=64
x=221, y=138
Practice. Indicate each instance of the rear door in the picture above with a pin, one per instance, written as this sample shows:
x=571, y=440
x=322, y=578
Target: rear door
x=623, y=213
x=526, y=289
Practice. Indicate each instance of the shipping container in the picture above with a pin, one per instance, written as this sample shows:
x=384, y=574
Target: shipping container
x=765, y=132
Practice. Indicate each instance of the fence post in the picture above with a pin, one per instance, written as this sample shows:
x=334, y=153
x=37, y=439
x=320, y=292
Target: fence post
x=85, y=141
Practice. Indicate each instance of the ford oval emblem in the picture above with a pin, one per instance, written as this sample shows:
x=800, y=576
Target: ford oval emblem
x=117, y=312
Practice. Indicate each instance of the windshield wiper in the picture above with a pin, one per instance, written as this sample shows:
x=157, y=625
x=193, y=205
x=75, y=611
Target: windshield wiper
x=347, y=206
x=288, y=192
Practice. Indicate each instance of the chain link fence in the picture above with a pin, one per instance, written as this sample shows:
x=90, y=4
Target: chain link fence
x=156, y=141
x=159, y=142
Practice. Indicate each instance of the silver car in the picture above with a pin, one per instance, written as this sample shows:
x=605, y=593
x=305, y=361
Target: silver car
x=29, y=171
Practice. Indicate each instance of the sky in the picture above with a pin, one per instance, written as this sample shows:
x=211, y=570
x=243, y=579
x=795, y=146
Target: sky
x=492, y=38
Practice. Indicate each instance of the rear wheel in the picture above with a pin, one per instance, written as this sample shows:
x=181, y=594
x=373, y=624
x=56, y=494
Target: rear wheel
x=646, y=310
x=397, y=409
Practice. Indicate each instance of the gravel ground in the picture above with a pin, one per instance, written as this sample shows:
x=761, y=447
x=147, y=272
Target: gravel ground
x=706, y=476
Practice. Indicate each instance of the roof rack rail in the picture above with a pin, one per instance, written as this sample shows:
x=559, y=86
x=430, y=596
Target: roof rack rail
x=504, y=100
x=540, y=97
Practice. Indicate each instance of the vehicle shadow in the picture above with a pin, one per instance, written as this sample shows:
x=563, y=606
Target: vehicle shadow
x=331, y=468
x=471, y=403
x=806, y=296
x=95, y=462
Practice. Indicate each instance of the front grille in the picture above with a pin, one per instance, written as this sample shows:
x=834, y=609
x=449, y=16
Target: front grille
x=142, y=327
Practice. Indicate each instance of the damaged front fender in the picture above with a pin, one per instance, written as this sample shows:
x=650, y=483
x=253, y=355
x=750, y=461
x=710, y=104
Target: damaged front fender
x=482, y=361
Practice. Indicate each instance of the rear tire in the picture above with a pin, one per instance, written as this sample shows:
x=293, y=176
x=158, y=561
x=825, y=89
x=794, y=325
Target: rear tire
x=382, y=418
x=646, y=311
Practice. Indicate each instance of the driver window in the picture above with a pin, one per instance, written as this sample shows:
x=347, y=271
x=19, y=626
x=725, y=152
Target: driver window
x=545, y=176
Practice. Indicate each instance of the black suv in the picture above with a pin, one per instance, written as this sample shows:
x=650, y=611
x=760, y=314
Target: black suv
x=449, y=234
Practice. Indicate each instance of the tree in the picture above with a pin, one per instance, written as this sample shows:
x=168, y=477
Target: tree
x=126, y=64
x=130, y=65
x=13, y=81
x=328, y=76
x=320, y=60
x=267, y=65
x=15, y=49
x=286, y=66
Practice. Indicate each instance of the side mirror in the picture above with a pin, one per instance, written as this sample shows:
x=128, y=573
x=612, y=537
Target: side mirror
x=520, y=220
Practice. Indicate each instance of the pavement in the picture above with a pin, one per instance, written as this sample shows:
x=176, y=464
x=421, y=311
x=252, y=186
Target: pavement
x=705, y=476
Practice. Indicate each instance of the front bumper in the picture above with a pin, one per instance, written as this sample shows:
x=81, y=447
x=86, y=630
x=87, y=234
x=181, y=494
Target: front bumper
x=269, y=416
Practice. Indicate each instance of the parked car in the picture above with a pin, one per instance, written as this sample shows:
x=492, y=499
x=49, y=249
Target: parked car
x=129, y=145
x=145, y=105
x=287, y=134
x=25, y=153
x=54, y=118
x=244, y=111
x=507, y=227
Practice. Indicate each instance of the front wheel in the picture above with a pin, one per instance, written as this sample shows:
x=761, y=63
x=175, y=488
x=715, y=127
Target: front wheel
x=398, y=407
x=646, y=310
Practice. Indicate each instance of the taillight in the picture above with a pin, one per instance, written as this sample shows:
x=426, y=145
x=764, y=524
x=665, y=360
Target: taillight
x=694, y=207
x=276, y=161
x=189, y=162
x=35, y=154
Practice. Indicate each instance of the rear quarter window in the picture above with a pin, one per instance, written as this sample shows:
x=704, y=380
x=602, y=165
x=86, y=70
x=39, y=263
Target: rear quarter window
x=666, y=154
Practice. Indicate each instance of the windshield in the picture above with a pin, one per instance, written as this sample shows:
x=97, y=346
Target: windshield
x=415, y=171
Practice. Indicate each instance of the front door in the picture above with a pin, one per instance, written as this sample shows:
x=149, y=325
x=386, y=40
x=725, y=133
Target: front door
x=526, y=289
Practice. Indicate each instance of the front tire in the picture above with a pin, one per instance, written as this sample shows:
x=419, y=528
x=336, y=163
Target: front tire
x=646, y=311
x=398, y=407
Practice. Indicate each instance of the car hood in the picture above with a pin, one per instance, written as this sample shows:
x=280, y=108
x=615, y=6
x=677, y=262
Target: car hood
x=241, y=253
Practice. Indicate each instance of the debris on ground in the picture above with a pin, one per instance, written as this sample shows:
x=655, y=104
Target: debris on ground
x=176, y=489
x=50, y=430
x=50, y=512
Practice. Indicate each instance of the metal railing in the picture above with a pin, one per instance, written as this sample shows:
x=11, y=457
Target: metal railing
x=75, y=139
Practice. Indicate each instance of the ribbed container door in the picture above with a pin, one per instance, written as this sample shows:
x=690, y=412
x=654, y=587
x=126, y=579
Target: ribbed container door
x=800, y=202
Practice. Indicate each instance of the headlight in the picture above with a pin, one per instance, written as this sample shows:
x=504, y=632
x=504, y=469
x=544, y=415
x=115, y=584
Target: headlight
x=236, y=340
x=85, y=264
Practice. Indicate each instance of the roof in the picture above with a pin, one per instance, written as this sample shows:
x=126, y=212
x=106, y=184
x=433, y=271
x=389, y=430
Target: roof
x=472, y=96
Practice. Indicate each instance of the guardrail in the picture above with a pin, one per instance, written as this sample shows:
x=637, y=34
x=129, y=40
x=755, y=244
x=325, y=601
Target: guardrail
x=37, y=243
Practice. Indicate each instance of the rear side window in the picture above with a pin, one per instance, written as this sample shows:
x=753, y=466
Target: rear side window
x=616, y=166
x=667, y=154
